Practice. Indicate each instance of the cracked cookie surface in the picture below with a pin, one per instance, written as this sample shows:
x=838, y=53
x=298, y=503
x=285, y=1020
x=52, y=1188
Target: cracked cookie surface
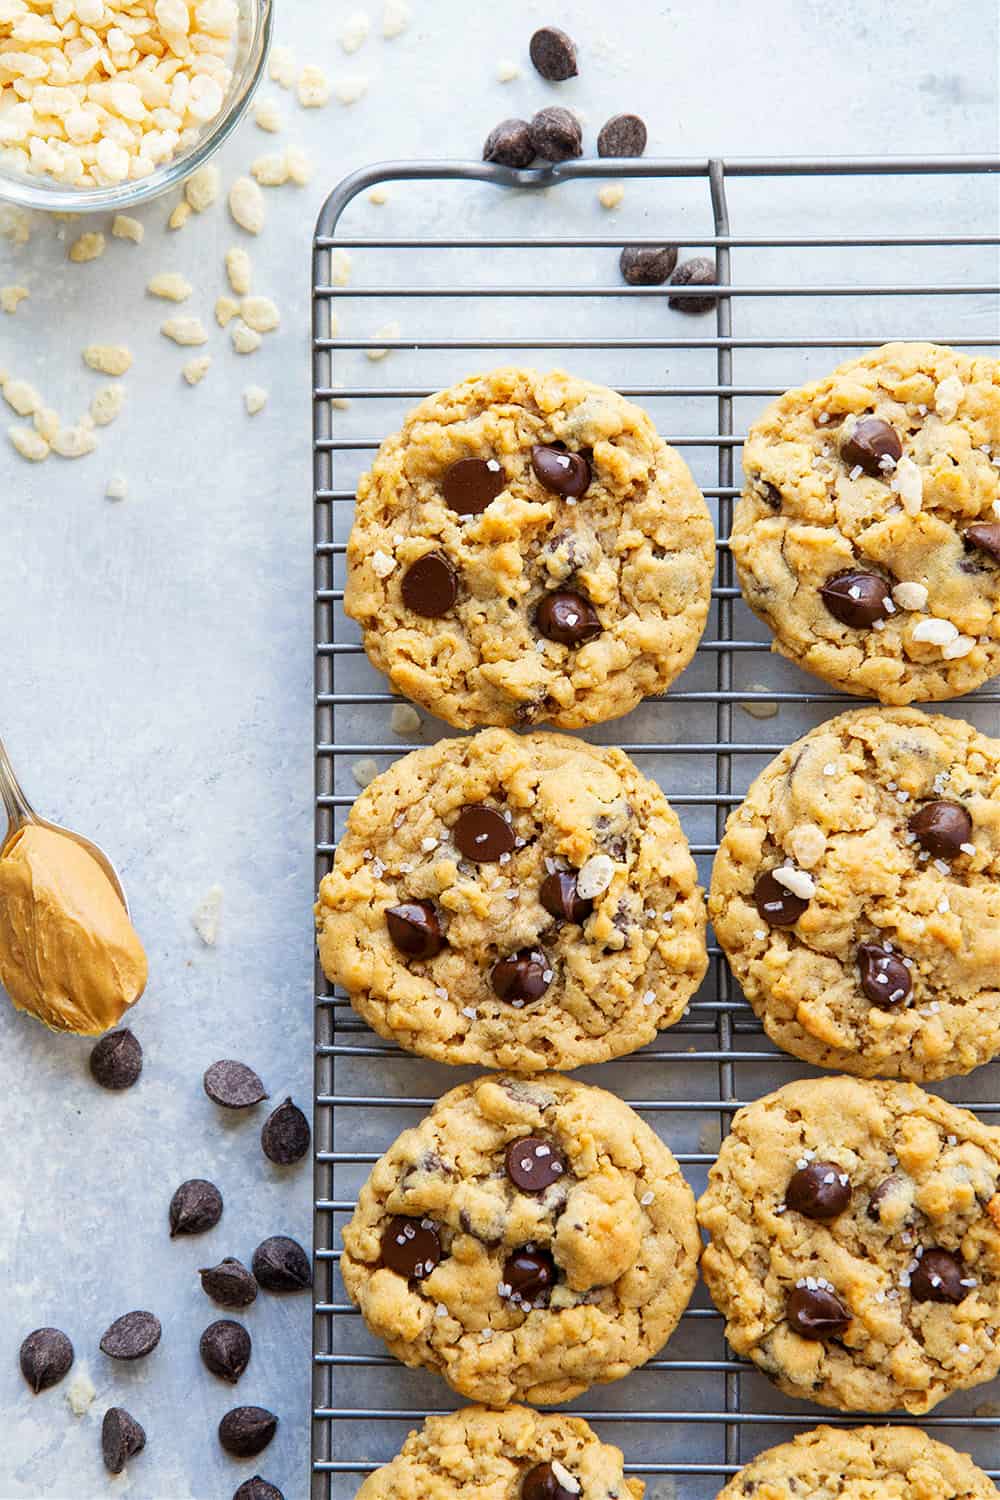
x=529, y=549
x=453, y=978
x=524, y=1293
x=478, y=1454
x=863, y=1463
x=868, y=533
x=886, y=822
x=854, y=1243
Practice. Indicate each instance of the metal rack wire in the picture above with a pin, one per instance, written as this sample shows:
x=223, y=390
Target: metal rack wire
x=519, y=267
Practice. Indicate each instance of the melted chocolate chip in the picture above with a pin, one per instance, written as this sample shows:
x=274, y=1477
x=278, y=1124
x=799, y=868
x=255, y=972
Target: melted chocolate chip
x=523, y=977
x=559, y=897
x=885, y=1189
x=410, y=1247
x=533, y=1164
x=46, y=1356
x=471, y=483
x=778, y=906
x=530, y=1274
x=567, y=618
x=553, y=54
x=556, y=134
x=509, y=144
x=772, y=495
x=942, y=828
x=983, y=537
x=622, y=135
x=816, y=1313
x=870, y=441
x=246, y=1430
x=821, y=1191
x=938, y=1278
x=885, y=979
x=647, y=265
x=540, y=1483
x=132, y=1336
x=482, y=834
x=121, y=1438
x=430, y=586
x=414, y=929
x=561, y=472
x=857, y=598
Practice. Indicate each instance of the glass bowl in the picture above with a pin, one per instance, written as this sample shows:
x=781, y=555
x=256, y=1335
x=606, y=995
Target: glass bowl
x=253, y=38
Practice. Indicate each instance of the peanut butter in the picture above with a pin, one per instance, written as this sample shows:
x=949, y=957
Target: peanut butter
x=68, y=952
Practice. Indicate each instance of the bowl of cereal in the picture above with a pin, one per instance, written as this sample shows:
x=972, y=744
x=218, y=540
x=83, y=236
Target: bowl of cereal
x=104, y=103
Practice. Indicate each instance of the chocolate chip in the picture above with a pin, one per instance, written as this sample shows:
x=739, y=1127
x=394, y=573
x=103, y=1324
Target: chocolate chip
x=414, y=929
x=561, y=472
x=430, y=586
x=622, y=135
x=534, y=1164
x=281, y=1265
x=983, y=537
x=225, y=1348
x=258, y=1489
x=540, y=1483
x=885, y=1189
x=530, y=1274
x=938, y=1278
x=523, y=977
x=778, y=906
x=285, y=1134
x=553, y=54
x=819, y=1191
x=116, y=1060
x=132, y=1336
x=772, y=495
x=559, y=897
x=482, y=835
x=46, y=1356
x=647, y=265
x=869, y=442
x=885, y=979
x=229, y=1283
x=556, y=134
x=567, y=618
x=195, y=1207
x=699, y=271
x=410, y=1247
x=816, y=1314
x=856, y=598
x=246, y=1430
x=942, y=828
x=233, y=1085
x=509, y=144
x=470, y=484
x=121, y=1438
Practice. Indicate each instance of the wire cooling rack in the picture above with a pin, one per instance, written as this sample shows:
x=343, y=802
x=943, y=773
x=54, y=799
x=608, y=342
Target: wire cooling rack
x=816, y=261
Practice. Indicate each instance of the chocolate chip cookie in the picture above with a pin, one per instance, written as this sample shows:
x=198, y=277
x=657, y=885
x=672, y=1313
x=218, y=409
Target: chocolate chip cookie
x=856, y=894
x=868, y=533
x=521, y=901
x=514, y=1454
x=528, y=548
x=530, y=1238
x=840, y=1463
x=855, y=1243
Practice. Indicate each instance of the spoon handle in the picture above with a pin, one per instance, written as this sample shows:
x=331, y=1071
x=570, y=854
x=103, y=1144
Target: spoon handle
x=19, y=809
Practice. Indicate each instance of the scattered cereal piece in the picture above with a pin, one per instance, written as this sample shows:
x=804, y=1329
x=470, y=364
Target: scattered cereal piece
x=74, y=442
x=378, y=196
x=15, y=224
x=267, y=116
x=383, y=563
x=507, y=70
x=107, y=403
x=313, y=87
x=186, y=331
x=282, y=67
x=21, y=396
x=196, y=369
x=395, y=18
x=124, y=227
x=169, y=285
x=116, y=488
x=948, y=396
x=756, y=708
x=260, y=314
x=206, y=916
x=246, y=204
x=340, y=267
x=87, y=247
x=47, y=424
x=245, y=340
x=935, y=632
x=239, y=271
x=80, y=1392
x=351, y=88
x=798, y=882
x=340, y=402
x=387, y=331
x=911, y=595
x=226, y=309
x=405, y=720
x=300, y=168
x=202, y=187
x=355, y=31
x=108, y=359
x=270, y=170
x=29, y=443
x=611, y=194
x=180, y=215
x=11, y=296
x=364, y=771
x=254, y=399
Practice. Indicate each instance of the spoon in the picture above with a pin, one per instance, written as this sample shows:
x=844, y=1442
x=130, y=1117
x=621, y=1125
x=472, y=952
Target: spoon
x=20, y=812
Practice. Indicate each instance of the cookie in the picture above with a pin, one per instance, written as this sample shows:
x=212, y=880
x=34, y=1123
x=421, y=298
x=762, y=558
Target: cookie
x=868, y=533
x=855, y=1243
x=856, y=894
x=528, y=548
x=519, y=901
x=840, y=1463
x=528, y=1239
x=517, y=1454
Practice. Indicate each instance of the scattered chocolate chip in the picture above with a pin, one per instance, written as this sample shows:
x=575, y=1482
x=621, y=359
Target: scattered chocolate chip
x=509, y=144
x=430, y=586
x=534, y=1164
x=556, y=134
x=285, y=1135
x=942, y=828
x=229, y=1283
x=530, y=1274
x=885, y=1189
x=482, y=834
x=195, y=1207
x=132, y=1336
x=647, y=265
x=699, y=271
x=559, y=897
x=46, y=1356
x=983, y=537
x=856, y=598
x=622, y=135
x=470, y=484
x=414, y=929
x=524, y=976
x=540, y=1483
x=246, y=1430
x=553, y=54
x=410, y=1247
x=233, y=1085
x=567, y=618
x=121, y=1438
x=225, y=1348
x=561, y=472
x=822, y=1190
x=938, y=1278
x=778, y=906
x=258, y=1489
x=885, y=979
x=281, y=1265
x=816, y=1314
x=869, y=442
x=116, y=1060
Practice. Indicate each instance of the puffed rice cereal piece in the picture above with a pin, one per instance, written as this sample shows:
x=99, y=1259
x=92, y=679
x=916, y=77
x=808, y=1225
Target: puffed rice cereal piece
x=186, y=331
x=28, y=443
x=87, y=247
x=246, y=204
x=170, y=285
x=108, y=359
x=239, y=271
x=260, y=314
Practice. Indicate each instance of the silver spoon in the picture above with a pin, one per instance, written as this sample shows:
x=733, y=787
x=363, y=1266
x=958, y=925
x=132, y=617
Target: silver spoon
x=20, y=812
